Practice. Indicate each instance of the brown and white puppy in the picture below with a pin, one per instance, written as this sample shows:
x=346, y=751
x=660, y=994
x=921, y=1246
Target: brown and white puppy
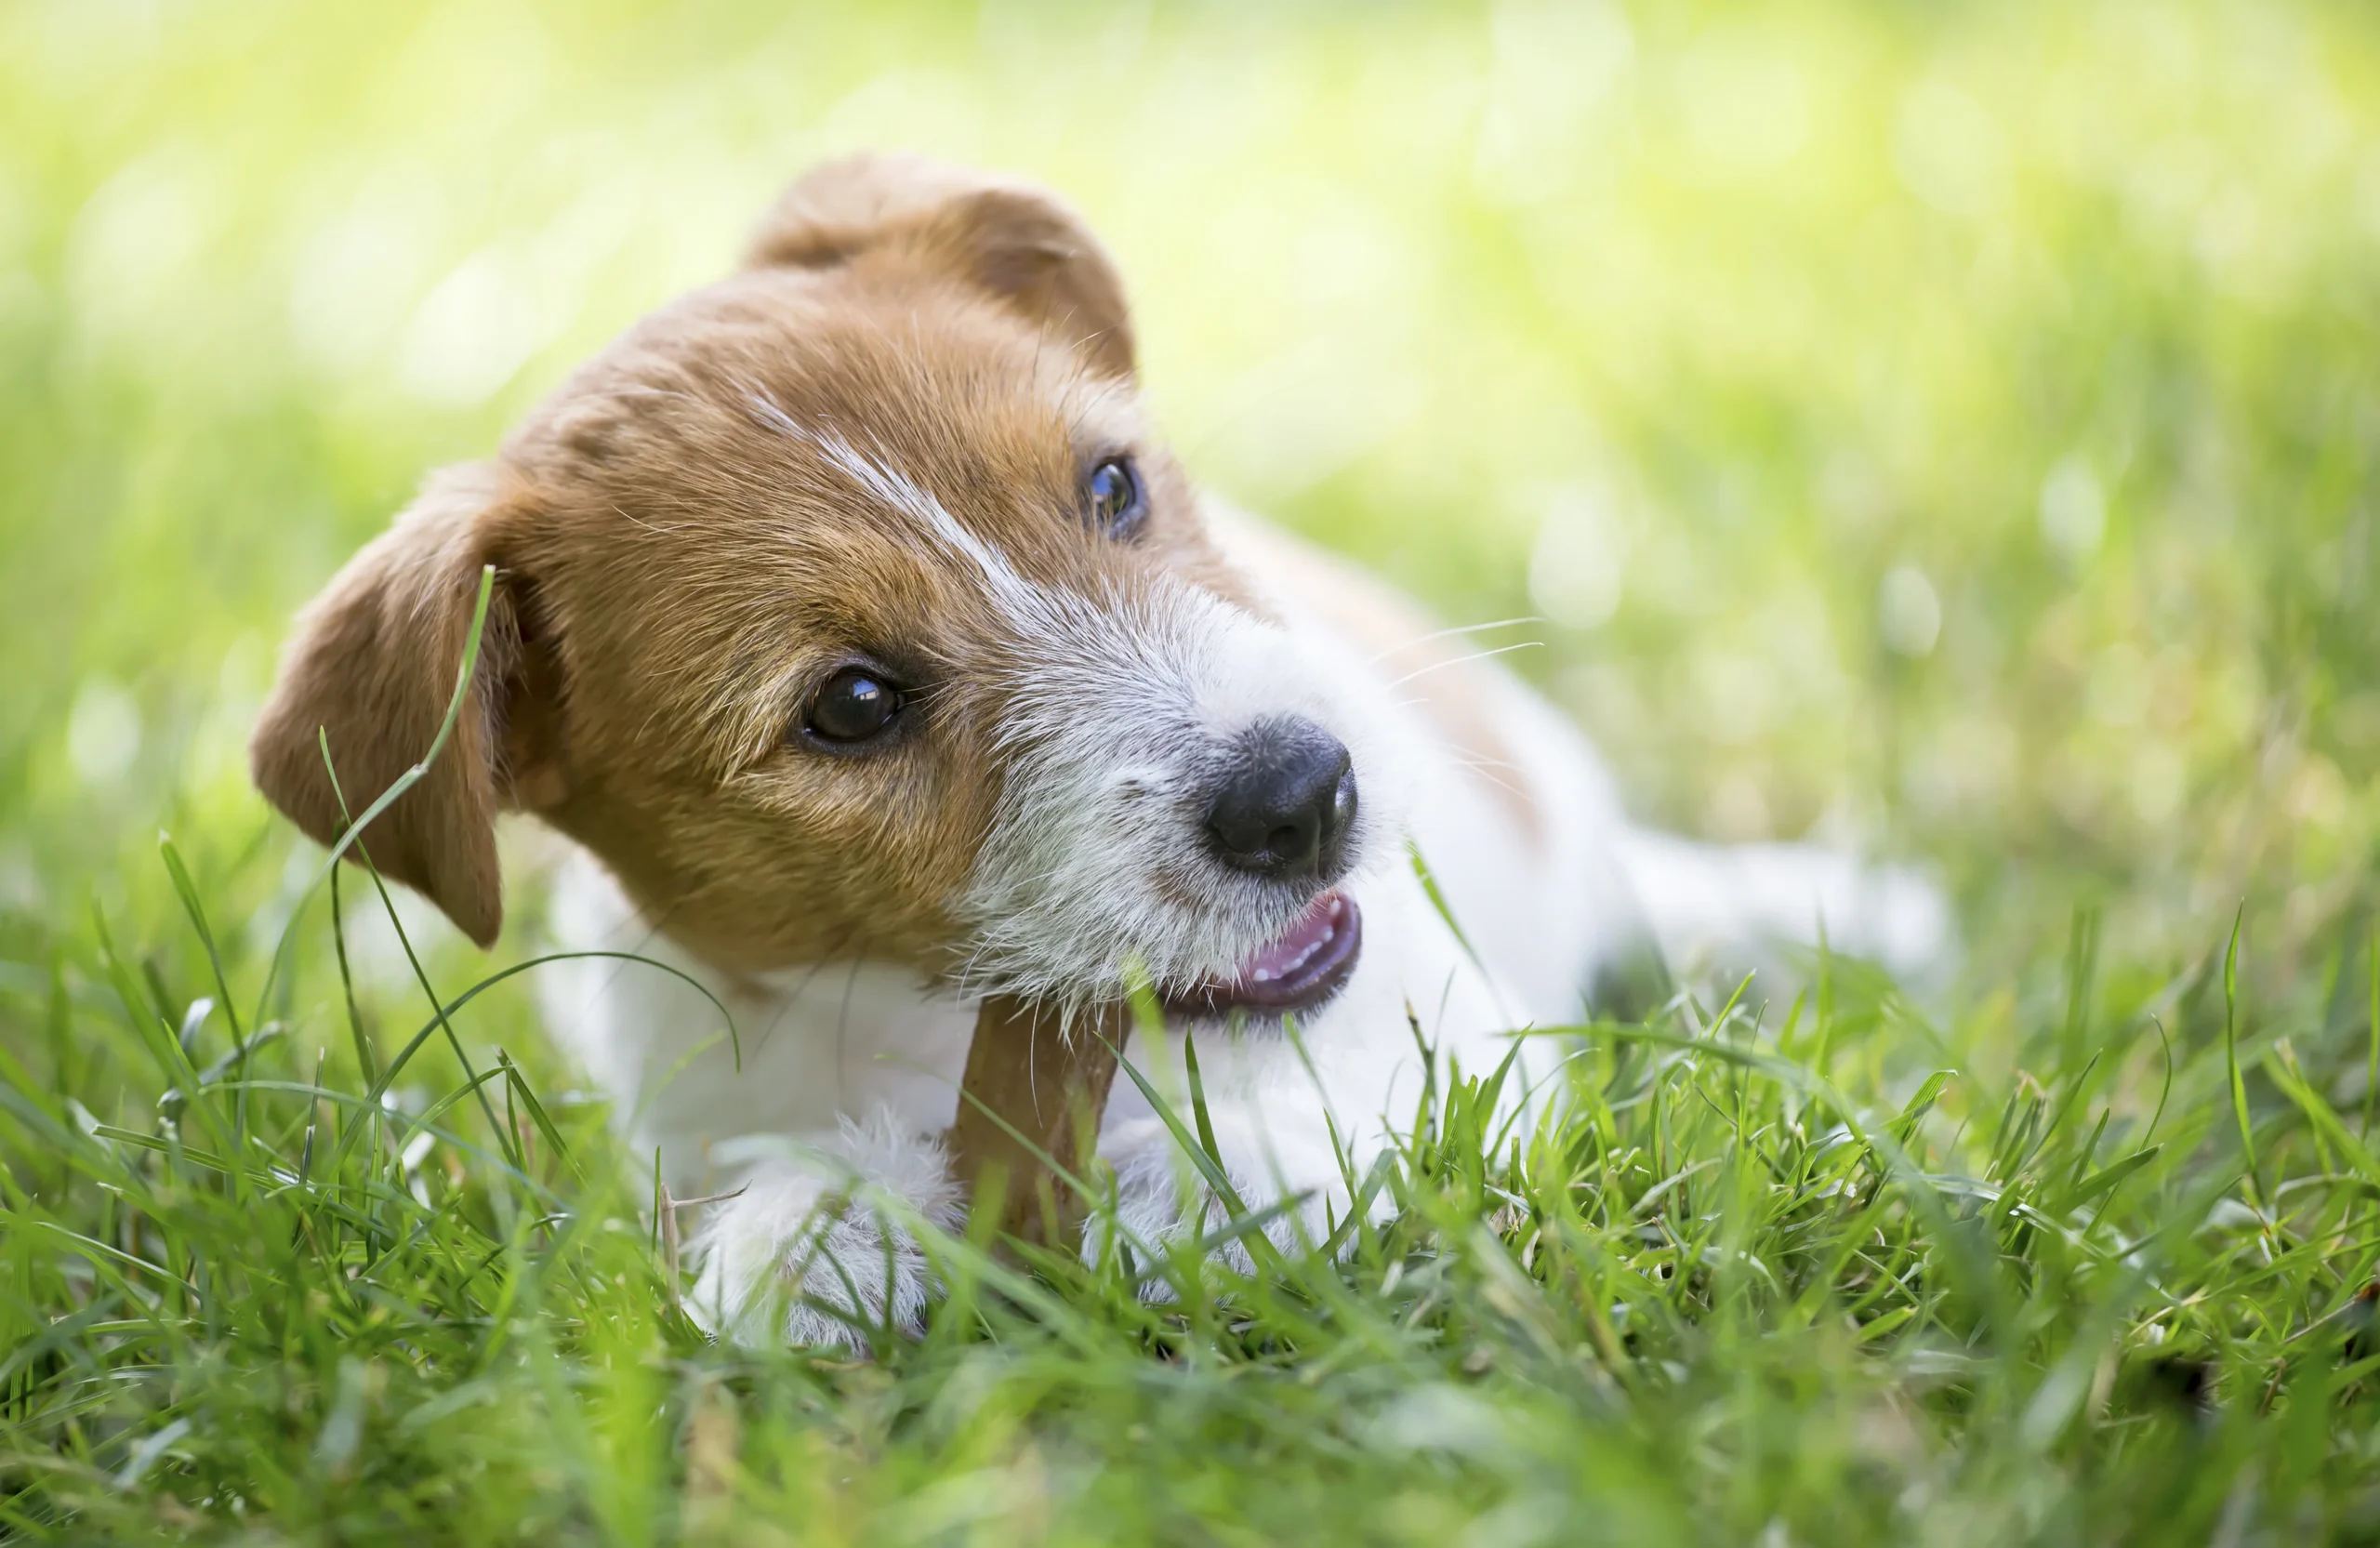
x=857, y=627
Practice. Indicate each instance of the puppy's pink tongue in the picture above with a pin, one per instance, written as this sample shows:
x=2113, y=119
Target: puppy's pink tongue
x=1312, y=958
x=1285, y=957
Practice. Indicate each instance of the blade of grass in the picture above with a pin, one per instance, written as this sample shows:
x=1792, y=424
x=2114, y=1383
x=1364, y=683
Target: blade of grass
x=403, y=782
x=2231, y=1058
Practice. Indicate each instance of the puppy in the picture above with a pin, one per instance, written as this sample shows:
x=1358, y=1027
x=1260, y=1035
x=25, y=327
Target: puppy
x=853, y=624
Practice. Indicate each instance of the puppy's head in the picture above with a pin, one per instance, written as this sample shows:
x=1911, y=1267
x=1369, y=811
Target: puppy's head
x=849, y=609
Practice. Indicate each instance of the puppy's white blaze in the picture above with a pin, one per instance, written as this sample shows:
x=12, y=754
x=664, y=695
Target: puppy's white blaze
x=1026, y=606
x=1025, y=603
x=774, y=417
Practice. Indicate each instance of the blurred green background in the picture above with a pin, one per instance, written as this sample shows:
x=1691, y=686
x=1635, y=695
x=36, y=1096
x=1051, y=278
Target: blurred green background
x=1946, y=428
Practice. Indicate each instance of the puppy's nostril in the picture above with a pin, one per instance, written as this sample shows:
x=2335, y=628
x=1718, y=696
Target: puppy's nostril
x=1342, y=804
x=1285, y=808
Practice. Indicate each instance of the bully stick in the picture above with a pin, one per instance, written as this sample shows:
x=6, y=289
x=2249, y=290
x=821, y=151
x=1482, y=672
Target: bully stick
x=1048, y=1085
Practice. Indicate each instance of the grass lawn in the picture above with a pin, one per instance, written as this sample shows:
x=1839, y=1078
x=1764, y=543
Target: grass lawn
x=1952, y=432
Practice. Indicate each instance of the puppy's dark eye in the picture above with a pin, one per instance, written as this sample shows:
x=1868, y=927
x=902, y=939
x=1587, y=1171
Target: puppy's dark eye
x=1116, y=500
x=852, y=705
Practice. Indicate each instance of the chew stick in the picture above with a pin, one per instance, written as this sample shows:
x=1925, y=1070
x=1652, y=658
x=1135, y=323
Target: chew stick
x=1052, y=1089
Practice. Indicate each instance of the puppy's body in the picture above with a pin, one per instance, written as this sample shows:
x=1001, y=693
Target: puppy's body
x=850, y=1073
x=851, y=623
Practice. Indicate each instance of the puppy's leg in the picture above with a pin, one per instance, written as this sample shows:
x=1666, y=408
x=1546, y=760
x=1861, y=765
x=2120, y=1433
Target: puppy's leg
x=803, y=1254
x=1736, y=905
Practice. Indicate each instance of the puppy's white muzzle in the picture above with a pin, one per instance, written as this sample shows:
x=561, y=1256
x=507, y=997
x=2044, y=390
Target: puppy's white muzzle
x=1178, y=799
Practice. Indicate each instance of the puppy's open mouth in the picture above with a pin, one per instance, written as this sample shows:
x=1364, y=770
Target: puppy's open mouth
x=1306, y=965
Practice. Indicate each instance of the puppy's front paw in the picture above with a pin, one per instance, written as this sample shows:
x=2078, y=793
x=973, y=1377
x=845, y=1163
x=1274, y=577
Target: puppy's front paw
x=807, y=1254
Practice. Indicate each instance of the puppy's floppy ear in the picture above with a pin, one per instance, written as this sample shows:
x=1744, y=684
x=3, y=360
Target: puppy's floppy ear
x=1017, y=242
x=373, y=669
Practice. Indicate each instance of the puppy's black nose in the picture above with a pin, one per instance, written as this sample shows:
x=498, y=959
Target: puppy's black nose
x=1284, y=809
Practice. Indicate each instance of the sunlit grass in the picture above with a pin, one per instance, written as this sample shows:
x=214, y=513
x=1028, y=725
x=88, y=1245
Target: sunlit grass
x=1772, y=1269
x=1945, y=431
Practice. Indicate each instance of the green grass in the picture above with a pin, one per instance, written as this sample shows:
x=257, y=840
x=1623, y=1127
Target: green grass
x=1948, y=430
x=1769, y=1275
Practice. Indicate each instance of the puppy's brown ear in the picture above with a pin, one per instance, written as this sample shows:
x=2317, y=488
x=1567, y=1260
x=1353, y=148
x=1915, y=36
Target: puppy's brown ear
x=1019, y=243
x=373, y=669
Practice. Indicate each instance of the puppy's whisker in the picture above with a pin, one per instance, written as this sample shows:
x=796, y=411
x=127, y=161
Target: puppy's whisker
x=1486, y=770
x=1450, y=633
x=613, y=971
x=1458, y=753
x=1465, y=660
x=832, y=954
x=843, y=1026
x=1477, y=760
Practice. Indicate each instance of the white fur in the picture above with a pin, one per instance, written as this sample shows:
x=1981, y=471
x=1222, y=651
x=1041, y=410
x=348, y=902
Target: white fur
x=1028, y=606
x=1116, y=736
x=849, y=1074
